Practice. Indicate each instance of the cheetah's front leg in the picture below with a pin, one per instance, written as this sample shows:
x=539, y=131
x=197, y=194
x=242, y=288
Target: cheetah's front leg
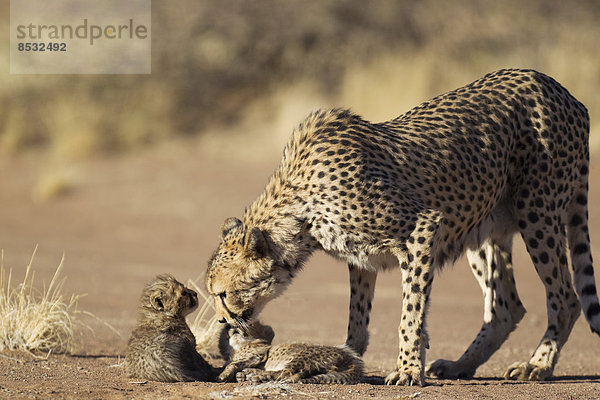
x=362, y=288
x=417, y=278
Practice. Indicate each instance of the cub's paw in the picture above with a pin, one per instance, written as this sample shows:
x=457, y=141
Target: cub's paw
x=244, y=375
x=254, y=375
x=523, y=371
x=227, y=375
x=406, y=377
x=446, y=369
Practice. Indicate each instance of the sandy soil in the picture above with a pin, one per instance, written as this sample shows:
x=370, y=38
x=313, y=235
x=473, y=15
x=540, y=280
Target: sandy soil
x=133, y=217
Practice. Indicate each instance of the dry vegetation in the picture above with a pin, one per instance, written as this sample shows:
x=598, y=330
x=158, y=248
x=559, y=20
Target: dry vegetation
x=205, y=326
x=212, y=60
x=35, y=321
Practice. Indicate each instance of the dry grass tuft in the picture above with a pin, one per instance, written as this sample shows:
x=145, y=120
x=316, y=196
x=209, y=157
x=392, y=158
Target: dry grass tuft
x=32, y=321
x=205, y=326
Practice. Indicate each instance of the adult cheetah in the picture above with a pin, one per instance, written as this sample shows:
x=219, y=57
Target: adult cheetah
x=460, y=173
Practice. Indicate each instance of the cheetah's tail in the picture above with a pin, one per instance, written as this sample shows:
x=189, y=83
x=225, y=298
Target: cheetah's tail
x=581, y=254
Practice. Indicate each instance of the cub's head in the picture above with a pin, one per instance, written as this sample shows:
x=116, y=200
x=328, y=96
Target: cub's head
x=233, y=338
x=243, y=274
x=165, y=295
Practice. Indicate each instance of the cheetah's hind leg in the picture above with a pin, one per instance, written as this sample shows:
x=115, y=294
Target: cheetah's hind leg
x=546, y=244
x=492, y=266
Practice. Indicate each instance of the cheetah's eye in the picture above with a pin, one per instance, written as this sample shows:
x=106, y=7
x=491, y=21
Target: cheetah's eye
x=222, y=295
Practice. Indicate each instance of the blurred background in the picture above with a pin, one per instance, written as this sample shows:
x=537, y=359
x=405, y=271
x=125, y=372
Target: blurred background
x=131, y=175
x=217, y=63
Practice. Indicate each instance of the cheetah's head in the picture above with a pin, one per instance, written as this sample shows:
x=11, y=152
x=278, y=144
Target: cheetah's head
x=243, y=274
x=165, y=295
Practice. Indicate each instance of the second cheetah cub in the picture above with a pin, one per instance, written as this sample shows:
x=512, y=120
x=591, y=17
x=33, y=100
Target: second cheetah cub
x=162, y=347
x=254, y=358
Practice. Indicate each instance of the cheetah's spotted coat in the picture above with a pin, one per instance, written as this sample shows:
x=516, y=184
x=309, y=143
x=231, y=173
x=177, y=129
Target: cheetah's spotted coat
x=255, y=359
x=462, y=172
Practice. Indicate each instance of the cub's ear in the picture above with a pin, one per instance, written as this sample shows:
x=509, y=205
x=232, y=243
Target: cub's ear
x=157, y=303
x=268, y=334
x=264, y=332
x=229, y=225
x=256, y=244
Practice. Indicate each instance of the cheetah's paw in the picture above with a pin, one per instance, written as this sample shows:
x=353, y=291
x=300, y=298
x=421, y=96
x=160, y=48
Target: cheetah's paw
x=524, y=371
x=446, y=369
x=406, y=377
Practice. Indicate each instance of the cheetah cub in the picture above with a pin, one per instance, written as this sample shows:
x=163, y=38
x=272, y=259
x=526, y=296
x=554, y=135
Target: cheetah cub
x=255, y=359
x=162, y=347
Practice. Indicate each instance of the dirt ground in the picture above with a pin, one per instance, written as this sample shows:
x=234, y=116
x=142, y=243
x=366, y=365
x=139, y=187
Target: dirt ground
x=129, y=218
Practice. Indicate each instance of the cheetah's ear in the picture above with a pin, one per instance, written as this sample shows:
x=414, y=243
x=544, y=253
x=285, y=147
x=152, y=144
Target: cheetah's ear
x=229, y=225
x=256, y=244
